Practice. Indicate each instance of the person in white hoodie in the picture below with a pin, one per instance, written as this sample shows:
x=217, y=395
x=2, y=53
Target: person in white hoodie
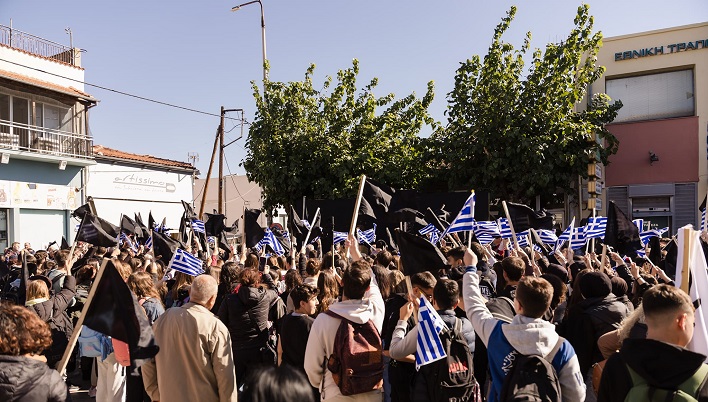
x=527, y=334
x=361, y=302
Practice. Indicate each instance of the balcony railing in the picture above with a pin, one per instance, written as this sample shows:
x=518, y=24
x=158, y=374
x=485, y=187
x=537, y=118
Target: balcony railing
x=36, y=45
x=23, y=137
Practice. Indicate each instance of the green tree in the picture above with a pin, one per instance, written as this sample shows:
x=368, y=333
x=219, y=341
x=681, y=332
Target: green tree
x=316, y=143
x=518, y=133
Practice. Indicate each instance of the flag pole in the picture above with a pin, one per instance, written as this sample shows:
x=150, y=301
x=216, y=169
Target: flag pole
x=355, y=214
x=448, y=235
x=685, y=270
x=591, y=243
x=603, y=259
x=309, y=231
x=511, y=224
x=704, y=227
x=73, y=244
x=61, y=366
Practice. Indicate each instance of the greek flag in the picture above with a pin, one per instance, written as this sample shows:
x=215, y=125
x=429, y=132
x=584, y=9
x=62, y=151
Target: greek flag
x=211, y=240
x=641, y=253
x=504, y=228
x=148, y=242
x=639, y=223
x=646, y=235
x=198, y=226
x=489, y=228
x=547, y=236
x=578, y=239
x=432, y=231
x=367, y=236
x=596, y=227
x=186, y=263
x=430, y=347
x=464, y=221
x=523, y=238
x=339, y=237
x=703, y=219
x=306, y=223
x=270, y=240
x=565, y=236
x=125, y=239
x=484, y=238
x=537, y=248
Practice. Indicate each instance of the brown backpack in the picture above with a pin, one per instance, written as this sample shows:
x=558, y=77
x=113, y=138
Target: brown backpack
x=356, y=362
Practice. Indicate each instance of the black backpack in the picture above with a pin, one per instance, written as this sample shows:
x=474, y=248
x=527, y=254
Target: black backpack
x=532, y=378
x=451, y=379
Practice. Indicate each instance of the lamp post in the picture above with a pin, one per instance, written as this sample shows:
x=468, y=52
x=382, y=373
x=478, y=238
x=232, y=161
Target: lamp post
x=263, y=33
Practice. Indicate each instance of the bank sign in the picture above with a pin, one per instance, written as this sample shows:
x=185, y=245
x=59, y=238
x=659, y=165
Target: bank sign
x=661, y=50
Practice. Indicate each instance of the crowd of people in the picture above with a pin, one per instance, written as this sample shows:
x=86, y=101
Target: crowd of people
x=348, y=325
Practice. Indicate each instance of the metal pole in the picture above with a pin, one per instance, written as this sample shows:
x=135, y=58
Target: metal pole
x=221, y=162
x=208, y=176
x=263, y=39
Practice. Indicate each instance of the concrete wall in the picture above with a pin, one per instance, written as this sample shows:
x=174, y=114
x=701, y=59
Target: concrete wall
x=50, y=66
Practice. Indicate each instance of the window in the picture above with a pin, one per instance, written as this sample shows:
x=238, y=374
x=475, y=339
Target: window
x=653, y=96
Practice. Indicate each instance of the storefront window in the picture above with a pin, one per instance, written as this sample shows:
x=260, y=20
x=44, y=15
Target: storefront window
x=3, y=229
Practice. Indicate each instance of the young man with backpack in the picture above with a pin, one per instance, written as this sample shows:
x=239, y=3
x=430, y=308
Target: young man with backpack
x=526, y=356
x=449, y=379
x=343, y=357
x=659, y=365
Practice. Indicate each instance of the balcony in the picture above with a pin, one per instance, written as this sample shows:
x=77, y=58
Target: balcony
x=35, y=45
x=33, y=142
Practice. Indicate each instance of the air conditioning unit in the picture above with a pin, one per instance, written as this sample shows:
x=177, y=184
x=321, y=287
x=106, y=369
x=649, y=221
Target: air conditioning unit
x=634, y=210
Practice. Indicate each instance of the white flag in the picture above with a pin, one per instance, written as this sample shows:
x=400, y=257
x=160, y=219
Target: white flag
x=699, y=286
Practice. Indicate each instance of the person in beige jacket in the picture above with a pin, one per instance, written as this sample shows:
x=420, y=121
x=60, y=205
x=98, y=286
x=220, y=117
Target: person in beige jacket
x=195, y=362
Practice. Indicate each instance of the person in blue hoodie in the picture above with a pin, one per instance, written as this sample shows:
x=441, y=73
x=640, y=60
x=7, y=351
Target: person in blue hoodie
x=527, y=334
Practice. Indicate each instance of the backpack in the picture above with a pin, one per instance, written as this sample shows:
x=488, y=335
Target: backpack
x=532, y=378
x=356, y=361
x=687, y=391
x=89, y=343
x=452, y=379
x=502, y=308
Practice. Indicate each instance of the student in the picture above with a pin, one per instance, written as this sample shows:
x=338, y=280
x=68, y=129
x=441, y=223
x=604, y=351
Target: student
x=296, y=326
x=661, y=359
x=527, y=334
x=513, y=269
x=445, y=299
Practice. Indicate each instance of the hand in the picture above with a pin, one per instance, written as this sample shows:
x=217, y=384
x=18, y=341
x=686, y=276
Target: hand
x=560, y=257
x=406, y=311
x=470, y=258
x=266, y=270
x=443, y=243
x=634, y=269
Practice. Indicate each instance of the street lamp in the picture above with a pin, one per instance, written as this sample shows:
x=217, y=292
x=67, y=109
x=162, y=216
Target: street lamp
x=263, y=35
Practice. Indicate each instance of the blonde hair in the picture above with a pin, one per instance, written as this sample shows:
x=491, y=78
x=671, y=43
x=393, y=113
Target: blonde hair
x=37, y=289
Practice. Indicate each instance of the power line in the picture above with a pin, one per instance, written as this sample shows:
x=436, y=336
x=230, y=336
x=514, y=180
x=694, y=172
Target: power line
x=120, y=92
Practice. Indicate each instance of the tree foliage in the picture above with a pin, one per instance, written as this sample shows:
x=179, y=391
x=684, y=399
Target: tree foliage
x=518, y=133
x=316, y=143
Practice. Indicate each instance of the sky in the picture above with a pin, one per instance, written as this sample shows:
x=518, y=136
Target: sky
x=200, y=55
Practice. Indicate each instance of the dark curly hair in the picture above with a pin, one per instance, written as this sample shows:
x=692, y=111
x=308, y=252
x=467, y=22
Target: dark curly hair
x=22, y=331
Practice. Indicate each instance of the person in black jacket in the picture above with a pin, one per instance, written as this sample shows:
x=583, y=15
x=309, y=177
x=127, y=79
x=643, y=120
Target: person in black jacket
x=598, y=313
x=24, y=374
x=247, y=314
x=661, y=359
x=53, y=310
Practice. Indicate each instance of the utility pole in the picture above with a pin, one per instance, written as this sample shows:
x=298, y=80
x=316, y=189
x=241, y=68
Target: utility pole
x=208, y=176
x=221, y=162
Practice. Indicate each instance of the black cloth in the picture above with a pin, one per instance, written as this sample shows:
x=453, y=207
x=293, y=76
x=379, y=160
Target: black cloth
x=23, y=379
x=293, y=330
x=661, y=364
x=586, y=322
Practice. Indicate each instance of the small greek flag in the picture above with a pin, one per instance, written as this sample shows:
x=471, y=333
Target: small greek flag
x=703, y=219
x=639, y=223
x=211, y=240
x=504, y=228
x=270, y=240
x=464, y=221
x=596, y=227
x=125, y=239
x=339, y=237
x=432, y=231
x=565, y=236
x=547, y=236
x=148, y=242
x=367, y=236
x=537, y=248
x=186, y=263
x=648, y=234
x=198, y=226
x=430, y=347
x=489, y=228
x=578, y=239
x=307, y=223
x=484, y=238
x=523, y=238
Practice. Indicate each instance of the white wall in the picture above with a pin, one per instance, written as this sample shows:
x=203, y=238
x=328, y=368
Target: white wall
x=50, y=66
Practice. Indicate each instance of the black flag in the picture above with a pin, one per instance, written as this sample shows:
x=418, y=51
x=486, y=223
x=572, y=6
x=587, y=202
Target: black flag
x=418, y=254
x=81, y=211
x=223, y=244
x=523, y=218
x=375, y=200
x=254, y=231
x=145, y=232
x=164, y=246
x=670, y=259
x=96, y=231
x=297, y=228
x=64, y=244
x=621, y=233
x=214, y=224
x=116, y=313
x=128, y=225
